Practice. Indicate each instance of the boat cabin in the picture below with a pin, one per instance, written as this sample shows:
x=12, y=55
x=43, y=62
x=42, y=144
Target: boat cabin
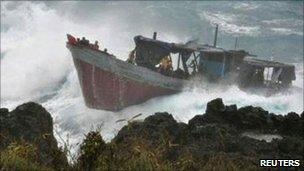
x=211, y=62
x=261, y=73
x=150, y=53
x=217, y=63
x=192, y=58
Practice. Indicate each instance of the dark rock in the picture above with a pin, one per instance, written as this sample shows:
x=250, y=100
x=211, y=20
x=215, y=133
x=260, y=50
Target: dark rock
x=156, y=128
x=196, y=121
x=215, y=139
x=292, y=146
x=231, y=108
x=160, y=118
x=253, y=118
x=215, y=105
x=249, y=118
x=30, y=122
x=292, y=124
x=3, y=112
x=212, y=140
x=277, y=120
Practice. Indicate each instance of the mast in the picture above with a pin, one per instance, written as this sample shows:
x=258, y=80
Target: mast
x=215, y=35
x=236, y=43
x=179, y=58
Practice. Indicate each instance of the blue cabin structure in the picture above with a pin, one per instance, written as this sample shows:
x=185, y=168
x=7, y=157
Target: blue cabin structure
x=217, y=63
x=213, y=63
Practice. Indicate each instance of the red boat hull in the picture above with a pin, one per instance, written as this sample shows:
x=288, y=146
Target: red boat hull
x=105, y=90
x=111, y=84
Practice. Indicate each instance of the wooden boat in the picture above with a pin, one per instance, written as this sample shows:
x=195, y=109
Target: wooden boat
x=111, y=84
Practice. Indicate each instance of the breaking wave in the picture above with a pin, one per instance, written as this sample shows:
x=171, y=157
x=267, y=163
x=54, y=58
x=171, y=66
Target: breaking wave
x=36, y=66
x=227, y=24
x=286, y=31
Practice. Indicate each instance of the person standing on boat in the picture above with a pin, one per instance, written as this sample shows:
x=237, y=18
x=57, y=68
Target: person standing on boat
x=96, y=45
x=131, y=57
x=165, y=65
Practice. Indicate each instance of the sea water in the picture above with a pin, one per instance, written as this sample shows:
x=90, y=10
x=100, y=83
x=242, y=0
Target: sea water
x=36, y=65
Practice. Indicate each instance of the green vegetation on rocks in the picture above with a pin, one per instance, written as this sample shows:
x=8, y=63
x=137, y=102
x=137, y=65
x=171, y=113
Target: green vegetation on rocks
x=26, y=138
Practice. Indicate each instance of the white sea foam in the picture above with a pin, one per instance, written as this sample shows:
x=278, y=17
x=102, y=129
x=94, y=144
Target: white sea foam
x=37, y=66
x=73, y=119
x=286, y=31
x=286, y=22
x=245, y=6
x=266, y=137
x=227, y=24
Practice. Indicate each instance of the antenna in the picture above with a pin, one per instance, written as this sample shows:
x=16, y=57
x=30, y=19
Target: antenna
x=272, y=55
x=236, y=43
x=215, y=35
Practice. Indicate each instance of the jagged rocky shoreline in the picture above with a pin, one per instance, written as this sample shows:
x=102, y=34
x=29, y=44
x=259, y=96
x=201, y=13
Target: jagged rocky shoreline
x=26, y=130
x=215, y=140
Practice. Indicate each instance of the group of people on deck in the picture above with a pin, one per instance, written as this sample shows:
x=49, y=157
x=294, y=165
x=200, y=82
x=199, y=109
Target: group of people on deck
x=86, y=42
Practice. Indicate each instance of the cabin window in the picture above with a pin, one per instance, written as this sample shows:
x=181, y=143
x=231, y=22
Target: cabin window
x=174, y=57
x=268, y=73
